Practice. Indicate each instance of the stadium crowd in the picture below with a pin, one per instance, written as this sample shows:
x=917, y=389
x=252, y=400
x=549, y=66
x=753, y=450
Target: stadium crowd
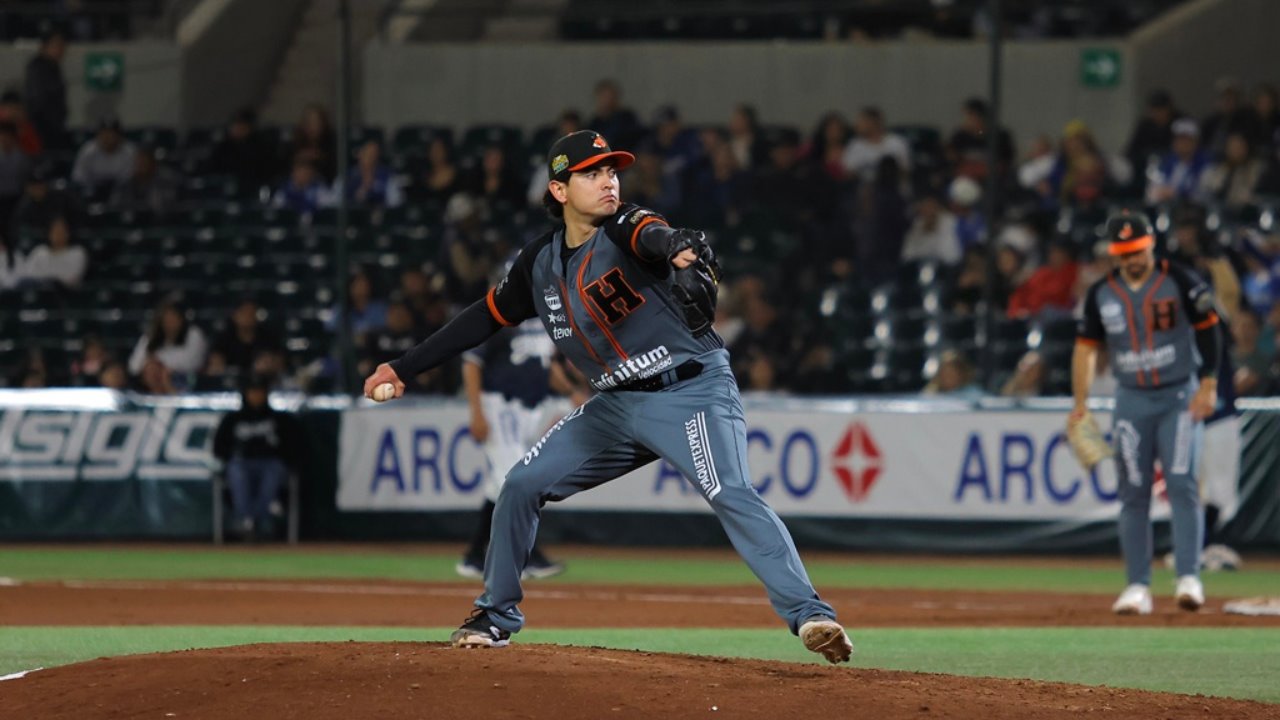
x=860, y=256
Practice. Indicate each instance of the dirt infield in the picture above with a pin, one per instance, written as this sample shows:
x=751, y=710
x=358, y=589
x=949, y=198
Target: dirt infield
x=318, y=681
x=342, y=681
x=407, y=604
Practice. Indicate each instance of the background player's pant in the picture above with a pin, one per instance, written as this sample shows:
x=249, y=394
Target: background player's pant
x=1150, y=424
x=697, y=425
x=1219, y=467
x=513, y=428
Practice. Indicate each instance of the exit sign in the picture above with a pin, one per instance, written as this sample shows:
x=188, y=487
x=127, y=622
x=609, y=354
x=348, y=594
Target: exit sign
x=1099, y=68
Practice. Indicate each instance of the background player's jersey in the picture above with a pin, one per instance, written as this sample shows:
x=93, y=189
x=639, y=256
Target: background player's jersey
x=1149, y=332
x=610, y=312
x=516, y=362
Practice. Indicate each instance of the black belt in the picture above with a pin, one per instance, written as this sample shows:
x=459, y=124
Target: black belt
x=688, y=369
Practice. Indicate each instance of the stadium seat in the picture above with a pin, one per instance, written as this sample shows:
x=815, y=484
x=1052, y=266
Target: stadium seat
x=479, y=137
x=414, y=139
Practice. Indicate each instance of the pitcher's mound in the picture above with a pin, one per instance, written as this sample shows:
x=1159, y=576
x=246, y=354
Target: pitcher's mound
x=346, y=681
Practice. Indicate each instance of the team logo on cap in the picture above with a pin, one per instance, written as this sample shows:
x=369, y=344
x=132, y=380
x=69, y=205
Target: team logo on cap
x=599, y=142
x=559, y=164
x=1126, y=231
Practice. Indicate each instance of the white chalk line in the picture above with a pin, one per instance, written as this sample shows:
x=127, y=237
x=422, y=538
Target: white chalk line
x=19, y=675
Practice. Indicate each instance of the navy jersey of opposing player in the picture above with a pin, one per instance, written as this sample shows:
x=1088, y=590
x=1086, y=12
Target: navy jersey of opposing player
x=516, y=362
x=607, y=308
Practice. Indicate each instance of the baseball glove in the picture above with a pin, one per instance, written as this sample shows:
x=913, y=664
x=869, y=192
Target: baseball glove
x=1087, y=443
x=697, y=286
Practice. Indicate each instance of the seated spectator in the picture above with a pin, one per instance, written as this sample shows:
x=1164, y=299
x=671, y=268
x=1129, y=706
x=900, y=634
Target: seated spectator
x=1027, y=379
x=1191, y=244
x=871, y=144
x=365, y=313
x=470, y=252
x=746, y=141
x=1012, y=270
x=243, y=152
x=12, y=110
x=1177, y=175
x=1252, y=362
x=305, y=191
x=105, y=161
x=1034, y=173
x=94, y=356
x=1230, y=115
x=1260, y=277
x=826, y=148
x=955, y=377
x=568, y=122
x=113, y=376
x=257, y=446
x=236, y=351
x=967, y=148
x=717, y=189
x=880, y=223
x=1233, y=181
x=762, y=344
x=57, y=262
x=442, y=178
x=647, y=185
x=169, y=353
x=313, y=140
x=15, y=166
x=429, y=307
x=152, y=187
x=1266, y=111
x=496, y=181
x=970, y=281
x=1079, y=176
x=389, y=342
x=932, y=235
x=9, y=261
x=1050, y=287
x=370, y=182
x=679, y=147
x=619, y=125
x=41, y=204
x=1153, y=135
x=971, y=225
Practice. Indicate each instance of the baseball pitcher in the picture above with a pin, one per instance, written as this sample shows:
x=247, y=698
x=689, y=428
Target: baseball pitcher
x=629, y=300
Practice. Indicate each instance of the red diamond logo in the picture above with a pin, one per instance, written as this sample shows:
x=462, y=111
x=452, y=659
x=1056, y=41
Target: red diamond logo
x=856, y=462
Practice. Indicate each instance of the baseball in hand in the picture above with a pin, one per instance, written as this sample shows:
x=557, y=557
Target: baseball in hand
x=384, y=392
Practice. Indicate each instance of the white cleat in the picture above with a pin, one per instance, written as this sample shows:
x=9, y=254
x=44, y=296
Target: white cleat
x=1190, y=593
x=1135, y=600
x=826, y=637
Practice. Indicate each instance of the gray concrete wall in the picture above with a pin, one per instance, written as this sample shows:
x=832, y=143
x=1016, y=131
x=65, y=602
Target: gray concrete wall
x=1188, y=49
x=794, y=83
x=152, y=78
x=231, y=60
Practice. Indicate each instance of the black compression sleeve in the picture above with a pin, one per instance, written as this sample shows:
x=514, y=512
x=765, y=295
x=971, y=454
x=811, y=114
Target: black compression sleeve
x=1210, y=347
x=470, y=328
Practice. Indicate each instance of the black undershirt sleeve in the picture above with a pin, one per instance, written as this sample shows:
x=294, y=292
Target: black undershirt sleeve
x=471, y=327
x=1210, y=346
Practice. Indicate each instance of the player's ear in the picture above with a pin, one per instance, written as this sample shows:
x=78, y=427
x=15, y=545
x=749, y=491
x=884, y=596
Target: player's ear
x=559, y=190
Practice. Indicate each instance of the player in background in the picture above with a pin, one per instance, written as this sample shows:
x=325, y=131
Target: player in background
x=1161, y=331
x=511, y=381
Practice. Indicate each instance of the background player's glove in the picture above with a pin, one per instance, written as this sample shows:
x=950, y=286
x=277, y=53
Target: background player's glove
x=697, y=286
x=1087, y=443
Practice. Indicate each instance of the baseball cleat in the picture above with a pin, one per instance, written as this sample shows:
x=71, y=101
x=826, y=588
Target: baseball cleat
x=470, y=569
x=479, y=632
x=541, y=570
x=826, y=637
x=1135, y=600
x=1190, y=593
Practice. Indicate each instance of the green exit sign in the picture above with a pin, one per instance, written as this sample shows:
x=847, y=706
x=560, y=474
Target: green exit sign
x=104, y=71
x=1099, y=68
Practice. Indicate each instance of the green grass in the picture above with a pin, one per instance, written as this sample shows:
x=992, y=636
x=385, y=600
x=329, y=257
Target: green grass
x=186, y=564
x=1233, y=662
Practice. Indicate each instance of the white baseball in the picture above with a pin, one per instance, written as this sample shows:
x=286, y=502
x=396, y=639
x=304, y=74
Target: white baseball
x=384, y=392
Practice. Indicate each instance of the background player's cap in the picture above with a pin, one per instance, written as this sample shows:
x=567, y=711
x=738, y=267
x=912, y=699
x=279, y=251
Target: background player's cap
x=1129, y=232
x=580, y=150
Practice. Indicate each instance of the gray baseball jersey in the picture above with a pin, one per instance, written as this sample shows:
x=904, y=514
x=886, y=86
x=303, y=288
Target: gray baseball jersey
x=1149, y=332
x=609, y=311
